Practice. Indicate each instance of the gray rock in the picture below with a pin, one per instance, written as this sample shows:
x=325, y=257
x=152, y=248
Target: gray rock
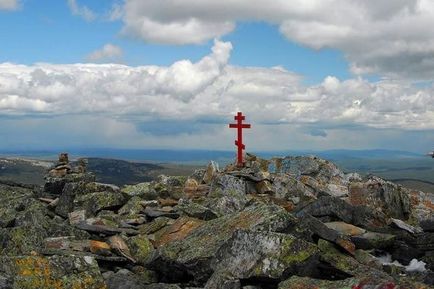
x=5, y=283
x=339, y=209
x=227, y=195
x=123, y=279
x=54, y=185
x=372, y=240
x=34, y=272
x=268, y=255
x=383, y=196
x=195, y=210
x=310, y=228
x=66, y=199
x=156, y=213
x=95, y=202
x=193, y=255
x=211, y=172
x=162, y=286
x=143, y=190
x=404, y=226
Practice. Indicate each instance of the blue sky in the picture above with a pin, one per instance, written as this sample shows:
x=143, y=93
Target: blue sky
x=53, y=34
x=171, y=73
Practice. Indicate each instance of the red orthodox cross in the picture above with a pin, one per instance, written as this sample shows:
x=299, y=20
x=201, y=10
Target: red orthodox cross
x=239, y=142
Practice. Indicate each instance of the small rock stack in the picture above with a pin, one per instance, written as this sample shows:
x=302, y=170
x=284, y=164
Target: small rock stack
x=284, y=223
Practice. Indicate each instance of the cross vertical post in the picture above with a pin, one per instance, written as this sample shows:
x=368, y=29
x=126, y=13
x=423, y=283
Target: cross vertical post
x=239, y=142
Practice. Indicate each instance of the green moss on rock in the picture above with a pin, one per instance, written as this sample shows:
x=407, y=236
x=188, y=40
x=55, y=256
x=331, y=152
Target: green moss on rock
x=141, y=248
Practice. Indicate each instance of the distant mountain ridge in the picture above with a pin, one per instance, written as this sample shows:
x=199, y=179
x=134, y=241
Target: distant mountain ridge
x=203, y=156
x=132, y=166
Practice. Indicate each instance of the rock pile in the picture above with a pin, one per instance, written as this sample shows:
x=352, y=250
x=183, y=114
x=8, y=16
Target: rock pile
x=286, y=223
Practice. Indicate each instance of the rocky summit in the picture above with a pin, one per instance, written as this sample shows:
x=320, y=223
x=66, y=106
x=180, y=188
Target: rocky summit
x=284, y=223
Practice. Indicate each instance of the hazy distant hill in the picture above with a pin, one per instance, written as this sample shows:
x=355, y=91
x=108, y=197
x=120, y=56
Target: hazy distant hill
x=23, y=170
x=119, y=172
x=204, y=156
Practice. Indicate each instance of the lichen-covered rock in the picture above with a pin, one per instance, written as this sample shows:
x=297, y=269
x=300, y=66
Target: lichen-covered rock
x=141, y=249
x=195, y=210
x=345, y=263
x=310, y=228
x=13, y=200
x=155, y=225
x=181, y=228
x=370, y=282
x=123, y=279
x=338, y=209
x=422, y=210
x=31, y=227
x=367, y=259
x=66, y=199
x=289, y=188
x=376, y=193
x=296, y=282
x=132, y=208
x=95, y=202
x=259, y=255
x=346, y=229
x=54, y=185
x=22, y=240
x=373, y=240
x=59, y=272
x=211, y=172
x=162, y=286
x=143, y=190
x=169, y=187
x=227, y=195
x=193, y=254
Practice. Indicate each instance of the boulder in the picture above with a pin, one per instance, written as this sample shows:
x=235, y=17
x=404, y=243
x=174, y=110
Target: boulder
x=346, y=265
x=123, y=279
x=339, y=210
x=227, y=195
x=372, y=240
x=296, y=282
x=162, y=286
x=66, y=200
x=143, y=190
x=289, y=188
x=132, y=208
x=260, y=255
x=63, y=272
x=155, y=225
x=195, y=210
x=310, y=229
x=378, y=194
x=191, y=256
x=346, y=229
x=95, y=202
x=210, y=172
x=181, y=228
x=54, y=185
x=141, y=249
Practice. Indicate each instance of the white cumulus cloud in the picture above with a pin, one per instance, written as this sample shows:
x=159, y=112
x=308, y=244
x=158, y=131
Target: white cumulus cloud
x=108, y=52
x=212, y=89
x=392, y=38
